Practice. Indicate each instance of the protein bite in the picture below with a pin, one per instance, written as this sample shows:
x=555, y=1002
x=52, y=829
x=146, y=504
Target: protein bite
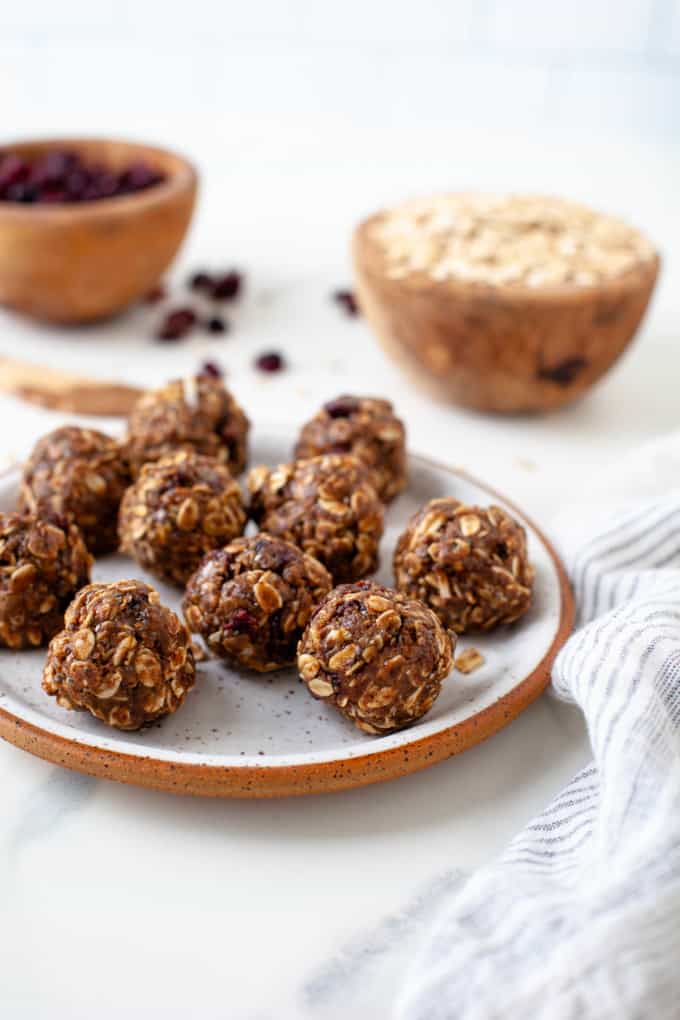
x=122, y=656
x=468, y=563
x=376, y=655
x=251, y=600
x=365, y=427
x=43, y=563
x=198, y=414
x=325, y=505
x=82, y=474
x=180, y=508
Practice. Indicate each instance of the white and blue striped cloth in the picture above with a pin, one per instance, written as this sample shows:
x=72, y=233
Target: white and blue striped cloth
x=580, y=919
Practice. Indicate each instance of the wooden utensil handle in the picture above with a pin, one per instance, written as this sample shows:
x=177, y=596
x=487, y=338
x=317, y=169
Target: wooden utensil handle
x=62, y=391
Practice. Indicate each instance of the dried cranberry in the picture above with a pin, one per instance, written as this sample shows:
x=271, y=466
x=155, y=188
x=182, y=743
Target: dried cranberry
x=55, y=164
x=212, y=369
x=137, y=177
x=227, y=286
x=216, y=324
x=20, y=192
x=12, y=170
x=54, y=195
x=241, y=622
x=63, y=176
x=341, y=407
x=270, y=361
x=177, y=324
x=347, y=300
x=156, y=294
x=201, y=281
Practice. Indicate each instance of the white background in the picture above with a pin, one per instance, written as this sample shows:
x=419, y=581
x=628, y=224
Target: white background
x=588, y=65
x=303, y=117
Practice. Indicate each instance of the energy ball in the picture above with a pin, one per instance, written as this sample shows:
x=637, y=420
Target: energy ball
x=376, y=655
x=121, y=656
x=181, y=507
x=198, y=414
x=327, y=506
x=43, y=563
x=365, y=427
x=468, y=563
x=82, y=474
x=251, y=600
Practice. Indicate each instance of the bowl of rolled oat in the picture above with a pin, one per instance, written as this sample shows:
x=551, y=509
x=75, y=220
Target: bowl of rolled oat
x=506, y=303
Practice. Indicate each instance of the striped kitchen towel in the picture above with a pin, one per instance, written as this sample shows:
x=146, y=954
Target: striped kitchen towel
x=580, y=919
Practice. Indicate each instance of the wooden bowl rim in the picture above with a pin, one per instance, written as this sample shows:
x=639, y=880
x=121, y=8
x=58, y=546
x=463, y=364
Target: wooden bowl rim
x=642, y=273
x=179, y=180
x=316, y=777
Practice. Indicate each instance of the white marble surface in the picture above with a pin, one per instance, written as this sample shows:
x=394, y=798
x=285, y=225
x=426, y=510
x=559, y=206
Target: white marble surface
x=119, y=901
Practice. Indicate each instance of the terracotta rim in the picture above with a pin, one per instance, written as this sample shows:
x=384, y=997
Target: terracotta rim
x=318, y=777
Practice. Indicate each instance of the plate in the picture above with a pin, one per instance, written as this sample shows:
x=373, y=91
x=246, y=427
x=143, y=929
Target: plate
x=244, y=735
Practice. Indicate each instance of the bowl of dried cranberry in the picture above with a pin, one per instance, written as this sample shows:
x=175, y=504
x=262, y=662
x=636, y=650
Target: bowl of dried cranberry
x=88, y=226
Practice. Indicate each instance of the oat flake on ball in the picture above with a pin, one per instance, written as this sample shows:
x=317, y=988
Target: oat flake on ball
x=377, y=655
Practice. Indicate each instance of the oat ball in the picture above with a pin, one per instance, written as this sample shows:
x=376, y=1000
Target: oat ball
x=365, y=427
x=468, y=563
x=121, y=656
x=79, y=473
x=180, y=508
x=327, y=506
x=43, y=563
x=376, y=655
x=197, y=413
x=251, y=600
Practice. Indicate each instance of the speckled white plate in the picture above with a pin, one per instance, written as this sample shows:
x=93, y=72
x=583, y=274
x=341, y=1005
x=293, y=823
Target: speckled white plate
x=252, y=736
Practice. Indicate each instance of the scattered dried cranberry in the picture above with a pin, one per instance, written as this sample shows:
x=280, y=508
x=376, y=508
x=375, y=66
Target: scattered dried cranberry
x=177, y=324
x=12, y=170
x=347, y=300
x=270, y=361
x=201, y=281
x=227, y=286
x=212, y=369
x=61, y=176
x=155, y=295
x=342, y=407
x=216, y=324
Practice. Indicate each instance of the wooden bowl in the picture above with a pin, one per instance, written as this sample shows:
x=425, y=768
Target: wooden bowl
x=503, y=348
x=85, y=261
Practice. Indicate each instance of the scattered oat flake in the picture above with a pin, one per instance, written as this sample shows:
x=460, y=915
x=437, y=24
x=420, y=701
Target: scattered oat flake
x=200, y=654
x=469, y=660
